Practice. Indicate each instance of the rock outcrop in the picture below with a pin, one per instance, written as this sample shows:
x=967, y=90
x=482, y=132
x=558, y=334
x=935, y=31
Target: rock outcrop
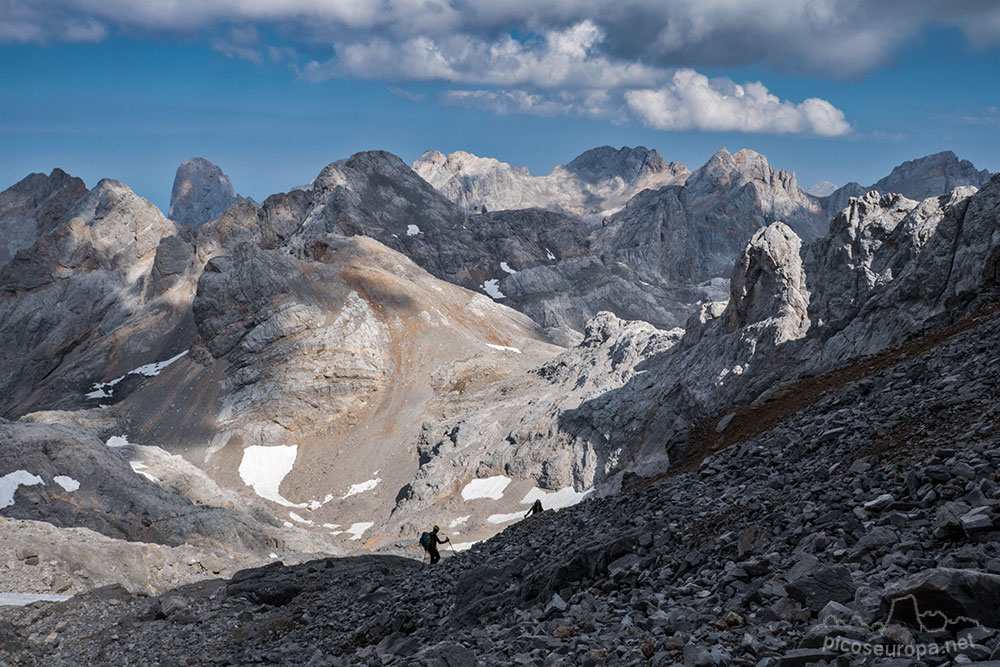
x=201, y=192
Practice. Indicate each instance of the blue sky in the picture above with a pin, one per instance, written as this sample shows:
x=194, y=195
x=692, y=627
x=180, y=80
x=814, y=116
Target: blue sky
x=272, y=91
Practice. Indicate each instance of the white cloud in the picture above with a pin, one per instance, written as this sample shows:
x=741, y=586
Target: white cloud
x=691, y=101
x=567, y=58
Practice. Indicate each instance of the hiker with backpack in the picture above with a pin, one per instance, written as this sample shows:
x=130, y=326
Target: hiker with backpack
x=535, y=509
x=429, y=542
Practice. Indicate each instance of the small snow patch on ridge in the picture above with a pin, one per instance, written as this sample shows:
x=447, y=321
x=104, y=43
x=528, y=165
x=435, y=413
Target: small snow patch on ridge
x=118, y=441
x=296, y=517
x=106, y=389
x=504, y=518
x=492, y=287
x=548, y=254
x=67, y=483
x=462, y=546
x=459, y=521
x=358, y=529
x=412, y=230
x=490, y=487
x=139, y=467
x=506, y=268
x=12, y=480
x=503, y=348
x=361, y=487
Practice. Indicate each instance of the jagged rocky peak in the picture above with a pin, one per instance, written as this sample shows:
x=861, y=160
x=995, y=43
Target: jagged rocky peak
x=931, y=176
x=604, y=163
x=731, y=170
x=33, y=207
x=201, y=192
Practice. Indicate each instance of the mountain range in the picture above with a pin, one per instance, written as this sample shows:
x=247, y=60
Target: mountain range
x=332, y=369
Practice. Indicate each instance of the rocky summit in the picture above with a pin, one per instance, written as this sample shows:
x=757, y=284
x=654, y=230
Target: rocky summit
x=763, y=432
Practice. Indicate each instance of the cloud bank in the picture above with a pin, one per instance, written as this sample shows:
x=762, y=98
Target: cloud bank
x=636, y=57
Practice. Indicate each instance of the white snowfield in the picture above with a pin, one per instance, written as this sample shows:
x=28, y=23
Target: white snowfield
x=551, y=500
x=490, y=487
x=106, y=389
x=462, y=546
x=492, y=287
x=412, y=230
x=118, y=441
x=263, y=468
x=12, y=480
x=555, y=500
x=67, y=483
x=22, y=599
x=505, y=267
x=459, y=521
x=358, y=529
x=361, y=487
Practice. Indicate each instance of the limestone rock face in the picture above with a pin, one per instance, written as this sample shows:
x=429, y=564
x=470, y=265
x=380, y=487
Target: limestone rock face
x=95, y=264
x=33, y=207
x=685, y=235
x=932, y=176
x=201, y=192
x=592, y=185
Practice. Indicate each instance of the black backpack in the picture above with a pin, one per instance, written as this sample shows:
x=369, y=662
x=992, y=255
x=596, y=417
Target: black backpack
x=425, y=541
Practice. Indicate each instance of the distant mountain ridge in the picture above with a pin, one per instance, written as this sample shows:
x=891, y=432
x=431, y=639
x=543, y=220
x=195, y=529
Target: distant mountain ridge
x=592, y=185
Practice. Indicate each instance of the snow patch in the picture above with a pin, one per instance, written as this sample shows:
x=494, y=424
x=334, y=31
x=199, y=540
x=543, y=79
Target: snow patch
x=118, y=441
x=296, y=517
x=490, y=487
x=12, y=480
x=67, y=483
x=361, y=487
x=263, y=468
x=503, y=348
x=504, y=518
x=331, y=526
x=412, y=230
x=459, y=521
x=548, y=254
x=506, y=268
x=462, y=546
x=492, y=287
x=555, y=500
x=358, y=529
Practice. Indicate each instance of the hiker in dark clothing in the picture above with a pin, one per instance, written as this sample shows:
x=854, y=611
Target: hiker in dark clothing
x=535, y=509
x=429, y=542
